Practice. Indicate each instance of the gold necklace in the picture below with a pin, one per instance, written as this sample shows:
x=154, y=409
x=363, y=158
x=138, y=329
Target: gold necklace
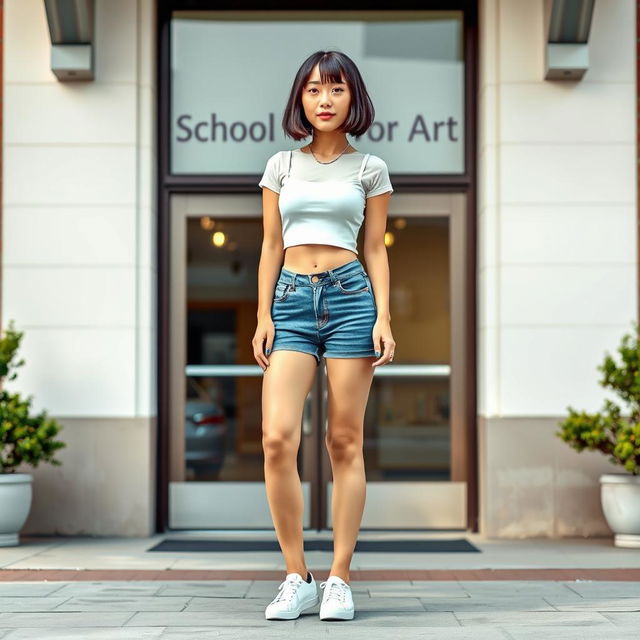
x=330, y=161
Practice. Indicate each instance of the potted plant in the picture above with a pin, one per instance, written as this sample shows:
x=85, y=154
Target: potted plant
x=23, y=438
x=617, y=436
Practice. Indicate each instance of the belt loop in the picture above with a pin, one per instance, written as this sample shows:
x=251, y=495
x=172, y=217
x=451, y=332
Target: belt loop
x=293, y=282
x=332, y=276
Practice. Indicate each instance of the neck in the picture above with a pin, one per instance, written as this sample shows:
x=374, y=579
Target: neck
x=328, y=144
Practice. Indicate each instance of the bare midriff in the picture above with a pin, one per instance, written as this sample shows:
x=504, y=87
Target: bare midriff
x=311, y=258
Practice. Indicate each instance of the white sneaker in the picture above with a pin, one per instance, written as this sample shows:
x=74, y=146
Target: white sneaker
x=295, y=595
x=337, y=600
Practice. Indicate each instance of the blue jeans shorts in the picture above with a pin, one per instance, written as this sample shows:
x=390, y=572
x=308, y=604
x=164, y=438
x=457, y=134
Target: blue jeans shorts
x=328, y=313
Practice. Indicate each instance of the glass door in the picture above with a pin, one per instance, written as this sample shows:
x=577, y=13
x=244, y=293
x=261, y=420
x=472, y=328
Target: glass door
x=415, y=447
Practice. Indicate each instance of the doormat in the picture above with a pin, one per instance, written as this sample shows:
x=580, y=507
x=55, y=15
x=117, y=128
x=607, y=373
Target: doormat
x=456, y=545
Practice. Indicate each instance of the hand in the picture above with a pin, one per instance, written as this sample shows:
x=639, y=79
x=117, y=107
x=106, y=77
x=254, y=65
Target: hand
x=382, y=335
x=265, y=332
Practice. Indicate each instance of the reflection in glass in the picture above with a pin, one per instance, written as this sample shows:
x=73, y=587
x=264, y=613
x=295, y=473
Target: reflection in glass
x=407, y=424
x=223, y=433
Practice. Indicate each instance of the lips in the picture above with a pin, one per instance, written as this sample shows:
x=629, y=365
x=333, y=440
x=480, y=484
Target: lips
x=326, y=113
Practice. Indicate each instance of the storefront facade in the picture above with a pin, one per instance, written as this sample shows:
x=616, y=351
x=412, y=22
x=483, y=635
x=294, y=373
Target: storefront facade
x=145, y=178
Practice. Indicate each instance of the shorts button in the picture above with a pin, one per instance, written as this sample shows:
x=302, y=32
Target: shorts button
x=314, y=279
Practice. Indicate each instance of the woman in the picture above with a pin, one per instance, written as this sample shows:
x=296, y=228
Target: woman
x=324, y=304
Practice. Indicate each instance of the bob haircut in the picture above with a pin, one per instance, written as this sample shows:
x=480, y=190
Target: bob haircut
x=333, y=64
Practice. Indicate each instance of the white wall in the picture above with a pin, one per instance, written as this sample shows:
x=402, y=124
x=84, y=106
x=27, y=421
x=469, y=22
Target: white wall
x=557, y=247
x=79, y=272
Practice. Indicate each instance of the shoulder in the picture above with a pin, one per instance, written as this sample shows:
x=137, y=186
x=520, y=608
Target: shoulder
x=375, y=176
x=375, y=162
x=374, y=168
x=276, y=157
x=276, y=162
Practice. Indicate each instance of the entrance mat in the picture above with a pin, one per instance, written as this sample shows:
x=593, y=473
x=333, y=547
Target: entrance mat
x=381, y=546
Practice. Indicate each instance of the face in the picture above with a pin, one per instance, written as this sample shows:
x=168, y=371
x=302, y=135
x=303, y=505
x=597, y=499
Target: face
x=334, y=98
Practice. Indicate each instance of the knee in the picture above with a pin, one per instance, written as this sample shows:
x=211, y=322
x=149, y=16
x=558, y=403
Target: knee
x=278, y=448
x=343, y=445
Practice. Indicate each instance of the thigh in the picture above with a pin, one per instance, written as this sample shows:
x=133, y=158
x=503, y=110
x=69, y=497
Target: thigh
x=285, y=385
x=349, y=381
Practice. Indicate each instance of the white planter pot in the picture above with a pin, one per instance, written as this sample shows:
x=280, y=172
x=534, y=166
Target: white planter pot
x=620, y=497
x=15, y=504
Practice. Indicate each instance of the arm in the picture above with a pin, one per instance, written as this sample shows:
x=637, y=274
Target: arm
x=271, y=253
x=268, y=270
x=377, y=261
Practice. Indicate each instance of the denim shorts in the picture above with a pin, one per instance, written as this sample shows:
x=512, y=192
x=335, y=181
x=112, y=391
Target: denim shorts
x=328, y=313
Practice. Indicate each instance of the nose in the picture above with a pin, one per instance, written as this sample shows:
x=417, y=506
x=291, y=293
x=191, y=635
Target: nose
x=326, y=96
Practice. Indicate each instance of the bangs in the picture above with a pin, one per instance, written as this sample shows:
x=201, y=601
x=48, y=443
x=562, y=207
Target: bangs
x=331, y=71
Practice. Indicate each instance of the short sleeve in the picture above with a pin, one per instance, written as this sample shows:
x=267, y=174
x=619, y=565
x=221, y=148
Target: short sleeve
x=271, y=177
x=375, y=177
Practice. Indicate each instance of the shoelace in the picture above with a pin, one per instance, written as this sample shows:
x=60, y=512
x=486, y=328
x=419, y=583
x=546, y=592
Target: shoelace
x=337, y=590
x=288, y=589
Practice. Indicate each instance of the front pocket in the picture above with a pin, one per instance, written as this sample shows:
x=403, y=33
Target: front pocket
x=281, y=291
x=353, y=284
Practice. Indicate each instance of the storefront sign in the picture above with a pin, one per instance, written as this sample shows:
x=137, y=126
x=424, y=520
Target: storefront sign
x=231, y=80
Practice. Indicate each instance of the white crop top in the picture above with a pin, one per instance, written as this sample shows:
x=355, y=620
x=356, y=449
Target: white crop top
x=324, y=203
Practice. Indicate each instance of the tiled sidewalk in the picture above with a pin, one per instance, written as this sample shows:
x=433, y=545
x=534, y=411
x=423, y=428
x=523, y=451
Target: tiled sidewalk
x=59, y=588
x=194, y=610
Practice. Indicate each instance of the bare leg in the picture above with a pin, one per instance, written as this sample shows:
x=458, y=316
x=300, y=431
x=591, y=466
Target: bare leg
x=349, y=382
x=285, y=385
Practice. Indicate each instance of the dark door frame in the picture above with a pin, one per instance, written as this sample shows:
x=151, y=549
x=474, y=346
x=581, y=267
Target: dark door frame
x=168, y=184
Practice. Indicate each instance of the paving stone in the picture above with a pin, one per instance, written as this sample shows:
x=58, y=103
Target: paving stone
x=201, y=618
x=570, y=633
x=364, y=603
x=384, y=619
x=65, y=619
x=133, y=604
x=120, y=588
x=218, y=589
x=613, y=589
x=541, y=618
x=205, y=633
x=35, y=589
x=488, y=603
x=27, y=603
x=228, y=605
x=83, y=633
x=348, y=629
x=630, y=619
x=515, y=587
x=596, y=604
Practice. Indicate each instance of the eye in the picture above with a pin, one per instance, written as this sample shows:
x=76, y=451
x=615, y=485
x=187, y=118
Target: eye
x=312, y=89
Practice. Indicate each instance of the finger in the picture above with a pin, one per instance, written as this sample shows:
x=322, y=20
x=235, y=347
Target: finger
x=260, y=358
x=386, y=356
x=390, y=351
x=269, y=345
x=378, y=362
x=263, y=357
x=376, y=345
x=259, y=354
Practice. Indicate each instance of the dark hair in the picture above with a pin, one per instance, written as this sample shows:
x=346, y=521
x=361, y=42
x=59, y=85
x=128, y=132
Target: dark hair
x=333, y=64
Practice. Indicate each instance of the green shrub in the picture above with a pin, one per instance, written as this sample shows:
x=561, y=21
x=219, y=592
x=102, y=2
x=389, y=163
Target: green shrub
x=23, y=437
x=611, y=432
